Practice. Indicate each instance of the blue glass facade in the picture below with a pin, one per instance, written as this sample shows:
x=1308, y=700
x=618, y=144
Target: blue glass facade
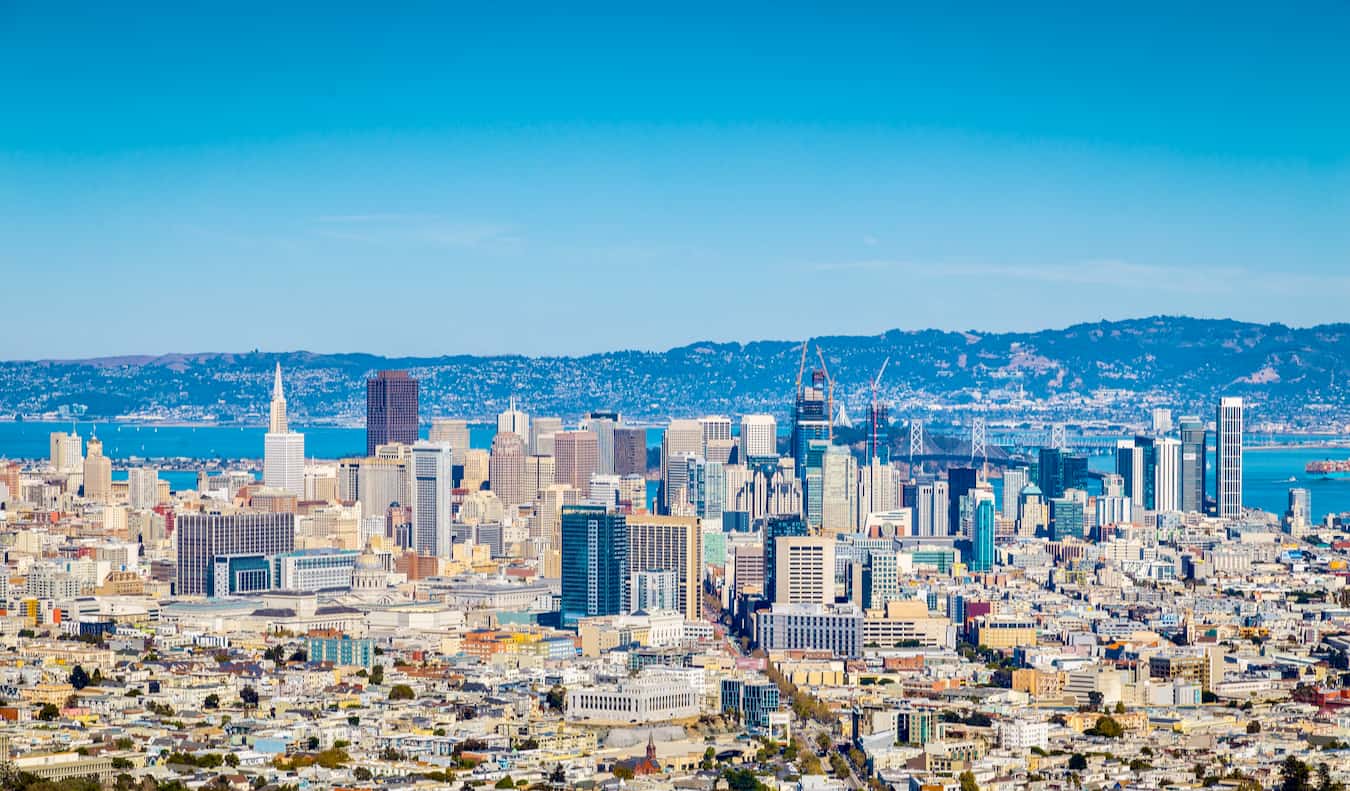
x=594, y=563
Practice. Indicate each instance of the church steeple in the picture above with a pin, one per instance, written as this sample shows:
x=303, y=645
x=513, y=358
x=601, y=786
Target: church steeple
x=276, y=423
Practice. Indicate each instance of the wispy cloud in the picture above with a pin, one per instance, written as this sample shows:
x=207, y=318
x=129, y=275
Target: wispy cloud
x=417, y=230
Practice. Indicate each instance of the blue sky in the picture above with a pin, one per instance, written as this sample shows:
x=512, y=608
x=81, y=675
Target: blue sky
x=550, y=180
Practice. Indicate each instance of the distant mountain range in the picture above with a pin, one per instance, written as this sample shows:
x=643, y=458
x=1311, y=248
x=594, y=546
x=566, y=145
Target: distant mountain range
x=1108, y=369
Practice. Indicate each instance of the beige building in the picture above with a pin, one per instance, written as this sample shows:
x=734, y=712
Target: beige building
x=578, y=458
x=669, y=543
x=97, y=473
x=804, y=570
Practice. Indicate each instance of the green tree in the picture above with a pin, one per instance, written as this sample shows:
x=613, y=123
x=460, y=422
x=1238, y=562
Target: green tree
x=48, y=712
x=401, y=692
x=556, y=698
x=1294, y=775
x=1120, y=707
x=377, y=675
x=505, y=782
x=212, y=701
x=824, y=742
x=1108, y=727
x=968, y=781
x=1077, y=763
x=1254, y=727
x=79, y=679
x=231, y=759
x=623, y=772
x=1324, y=781
x=249, y=697
x=361, y=773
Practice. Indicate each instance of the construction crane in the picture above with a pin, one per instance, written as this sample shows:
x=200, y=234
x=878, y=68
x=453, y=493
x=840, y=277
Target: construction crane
x=872, y=456
x=829, y=402
x=801, y=368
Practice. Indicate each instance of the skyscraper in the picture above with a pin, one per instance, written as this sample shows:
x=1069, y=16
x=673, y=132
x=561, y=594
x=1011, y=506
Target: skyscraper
x=506, y=468
x=452, y=432
x=391, y=409
x=839, y=491
x=1014, y=478
x=1167, y=477
x=577, y=458
x=669, y=543
x=594, y=562
x=143, y=487
x=515, y=421
x=542, y=433
x=97, y=473
x=759, y=436
x=982, y=543
x=203, y=537
x=960, y=482
x=776, y=527
x=809, y=421
x=283, y=449
x=682, y=439
x=804, y=570
x=67, y=452
x=432, y=473
x=603, y=424
x=1228, y=457
x=1050, y=472
x=630, y=451
x=1193, y=459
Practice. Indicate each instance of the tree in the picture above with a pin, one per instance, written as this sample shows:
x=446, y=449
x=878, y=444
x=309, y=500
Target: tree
x=231, y=759
x=1324, y=781
x=401, y=692
x=1294, y=775
x=212, y=701
x=361, y=773
x=48, y=712
x=377, y=675
x=1077, y=763
x=505, y=782
x=1106, y=726
x=824, y=742
x=97, y=678
x=968, y=781
x=1254, y=727
x=312, y=744
x=1120, y=707
x=623, y=772
x=1095, y=700
x=300, y=655
x=249, y=697
x=79, y=679
x=709, y=759
x=556, y=698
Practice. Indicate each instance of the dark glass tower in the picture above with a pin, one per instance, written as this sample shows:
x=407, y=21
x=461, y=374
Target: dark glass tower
x=982, y=545
x=391, y=409
x=776, y=527
x=594, y=562
x=960, y=482
x=1193, y=461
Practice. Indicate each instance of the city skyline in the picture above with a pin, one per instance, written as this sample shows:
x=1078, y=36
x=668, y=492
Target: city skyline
x=637, y=160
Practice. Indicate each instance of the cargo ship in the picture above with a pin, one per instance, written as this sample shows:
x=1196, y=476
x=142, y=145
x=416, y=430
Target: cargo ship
x=1328, y=467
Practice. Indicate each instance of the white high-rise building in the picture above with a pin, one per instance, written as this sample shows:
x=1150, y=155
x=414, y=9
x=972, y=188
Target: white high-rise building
x=284, y=462
x=804, y=570
x=1014, y=480
x=1167, y=481
x=515, y=421
x=1228, y=457
x=839, y=491
x=432, y=482
x=683, y=438
x=602, y=425
x=283, y=449
x=759, y=436
x=67, y=452
x=715, y=427
x=142, y=487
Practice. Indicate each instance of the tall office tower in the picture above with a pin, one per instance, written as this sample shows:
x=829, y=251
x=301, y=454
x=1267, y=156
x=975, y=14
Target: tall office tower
x=97, y=473
x=1074, y=471
x=1147, y=450
x=1130, y=468
x=1167, y=477
x=759, y=436
x=1014, y=479
x=380, y=483
x=1113, y=485
x=1228, y=457
x=982, y=543
x=775, y=529
x=630, y=451
x=1066, y=519
x=1050, y=472
x=203, y=537
x=142, y=487
x=452, y=432
x=391, y=409
x=804, y=570
x=682, y=439
x=284, y=462
x=477, y=469
x=715, y=427
x=633, y=493
x=577, y=454
x=9, y=479
x=877, y=491
x=813, y=482
x=941, y=508
x=1299, y=515
x=540, y=473
x=669, y=543
x=809, y=421
x=602, y=424
x=276, y=415
x=506, y=468
x=1193, y=462
x=67, y=452
x=542, y=432
x=594, y=562
x=514, y=421
x=960, y=481
x=839, y=491
x=1162, y=420
x=433, y=470
x=922, y=509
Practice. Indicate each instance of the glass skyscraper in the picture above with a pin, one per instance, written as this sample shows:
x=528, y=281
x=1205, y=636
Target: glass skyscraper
x=391, y=409
x=982, y=549
x=594, y=563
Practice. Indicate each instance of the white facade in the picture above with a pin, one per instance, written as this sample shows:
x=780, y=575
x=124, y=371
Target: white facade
x=284, y=462
x=759, y=436
x=514, y=421
x=432, y=482
x=1167, y=481
x=1228, y=455
x=657, y=695
x=142, y=487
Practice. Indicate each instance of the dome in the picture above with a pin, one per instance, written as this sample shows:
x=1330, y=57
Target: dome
x=368, y=562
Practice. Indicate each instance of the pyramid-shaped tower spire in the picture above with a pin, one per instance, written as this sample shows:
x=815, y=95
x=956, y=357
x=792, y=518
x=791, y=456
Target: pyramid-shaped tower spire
x=276, y=423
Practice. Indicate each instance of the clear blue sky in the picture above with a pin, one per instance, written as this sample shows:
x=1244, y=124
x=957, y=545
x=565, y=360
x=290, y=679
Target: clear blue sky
x=438, y=180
